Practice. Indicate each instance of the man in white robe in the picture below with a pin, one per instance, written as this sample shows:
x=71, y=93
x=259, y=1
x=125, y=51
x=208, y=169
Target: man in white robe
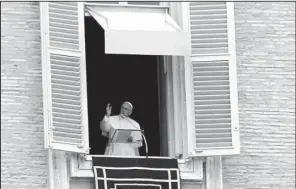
x=122, y=121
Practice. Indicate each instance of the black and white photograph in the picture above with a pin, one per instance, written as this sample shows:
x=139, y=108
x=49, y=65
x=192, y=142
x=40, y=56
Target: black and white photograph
x=147, y=95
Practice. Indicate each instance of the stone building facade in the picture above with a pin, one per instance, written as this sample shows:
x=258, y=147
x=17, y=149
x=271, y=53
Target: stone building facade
x=265, y=46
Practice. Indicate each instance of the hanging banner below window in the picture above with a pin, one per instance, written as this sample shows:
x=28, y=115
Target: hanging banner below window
x=136, y=173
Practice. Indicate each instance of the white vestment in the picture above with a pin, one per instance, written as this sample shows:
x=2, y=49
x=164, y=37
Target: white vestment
x=110, y=124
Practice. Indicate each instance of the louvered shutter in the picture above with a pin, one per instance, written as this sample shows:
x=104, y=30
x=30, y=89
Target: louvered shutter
x=64, y=76
x=213, y=66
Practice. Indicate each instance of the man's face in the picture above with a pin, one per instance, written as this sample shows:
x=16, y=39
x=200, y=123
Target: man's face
x=126, y=110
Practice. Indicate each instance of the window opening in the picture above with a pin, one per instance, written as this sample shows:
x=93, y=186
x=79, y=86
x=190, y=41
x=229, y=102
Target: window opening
x=117, y=78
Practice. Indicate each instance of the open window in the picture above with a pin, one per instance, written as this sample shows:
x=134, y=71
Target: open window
x=62, y=31
x=209, y=77
x=114, y=78
x=133, y=41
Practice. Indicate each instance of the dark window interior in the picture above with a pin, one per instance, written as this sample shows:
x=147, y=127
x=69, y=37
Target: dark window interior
x=117, y=78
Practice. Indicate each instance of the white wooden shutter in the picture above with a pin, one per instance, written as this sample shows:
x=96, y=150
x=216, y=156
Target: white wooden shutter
x=64, y=76
x=213, y=66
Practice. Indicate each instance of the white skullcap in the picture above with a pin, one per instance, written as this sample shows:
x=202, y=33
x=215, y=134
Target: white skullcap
x=126, y=102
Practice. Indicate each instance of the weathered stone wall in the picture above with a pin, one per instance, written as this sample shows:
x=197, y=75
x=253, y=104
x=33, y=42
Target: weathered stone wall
x=23, y=157
x=265, y=43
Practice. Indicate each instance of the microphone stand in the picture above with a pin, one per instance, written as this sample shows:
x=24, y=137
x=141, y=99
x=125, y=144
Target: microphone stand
x=146, y=144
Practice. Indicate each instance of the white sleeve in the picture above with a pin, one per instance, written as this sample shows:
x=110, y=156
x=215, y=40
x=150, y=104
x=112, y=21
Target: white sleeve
x=105, y=124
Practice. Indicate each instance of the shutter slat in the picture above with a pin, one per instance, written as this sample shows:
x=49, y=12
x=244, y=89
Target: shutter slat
x=65, y=72
x=68, y=130
x=210, y=69
x=211, y=97
x=60, y=133
x=212, y=116
x=63, y=12
x=209, y=30
x=67, y=87
x=213, y=121
x=212, y=125
x=63, y=45
x=209, y=26
x=67, y=8
x=66, y=140
x=65, y=68
x=211, y=102
x=65, y=91
x=64, y=34
x=62, y=15
x=68, y=101
x=204, y=93
x=200, y=21
x=66, y=97
x=210, y=45
x=211, y=83
x=65, y=77
x=66, y=106
x=213, y=139
x=226, y=136
x=63, y=40
x=73, y=4
x=64, y=21
x=66, y=116
x=207, y=8
x=212, y=107
x=212, y=111
x=206, y=52
x=67, y=125
x=211, y=88
x=65, y=63
x=214, y=145
x=66, y=120
x=210, y=78
x=63, y=26
x=65, y=58
x=210, y=39
x=64, y=31
x=208, y=73
x=216, y=14
x=213, y=130
x=65, y=82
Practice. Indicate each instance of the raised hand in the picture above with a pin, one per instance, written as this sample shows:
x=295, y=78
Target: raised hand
x=108, y=110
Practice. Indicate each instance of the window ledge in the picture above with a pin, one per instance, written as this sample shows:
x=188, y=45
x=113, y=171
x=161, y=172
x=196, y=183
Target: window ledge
x=81, y=167
x=190, y=177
